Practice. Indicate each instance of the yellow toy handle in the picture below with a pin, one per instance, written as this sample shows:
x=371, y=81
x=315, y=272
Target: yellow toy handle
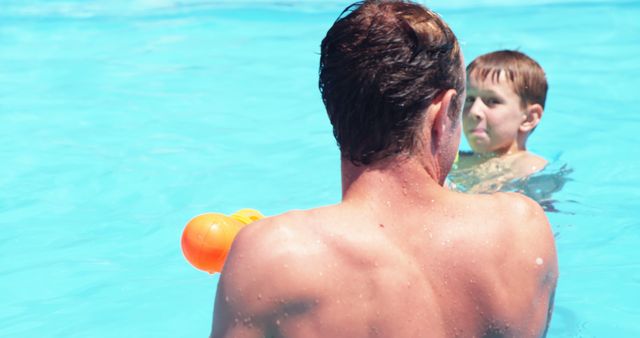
x=247, y=216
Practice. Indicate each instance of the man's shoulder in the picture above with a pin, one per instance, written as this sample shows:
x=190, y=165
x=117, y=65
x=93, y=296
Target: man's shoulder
x=517, y=214
x=291, y=227
x=276, y=245
x=520, y=262
x=510, y=220
x=507, y=204
x=275, y=238
x=515, y=241
x=270, y=266
x=522, y=208
x=271, y=259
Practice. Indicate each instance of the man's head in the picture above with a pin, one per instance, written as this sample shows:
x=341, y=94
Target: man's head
x=382, y=66
x=506, y=94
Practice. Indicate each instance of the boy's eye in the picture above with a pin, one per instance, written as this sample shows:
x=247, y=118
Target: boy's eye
x=491, y=101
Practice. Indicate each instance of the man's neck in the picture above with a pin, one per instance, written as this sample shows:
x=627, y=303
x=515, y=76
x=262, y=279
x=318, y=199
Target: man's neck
x=392, y=180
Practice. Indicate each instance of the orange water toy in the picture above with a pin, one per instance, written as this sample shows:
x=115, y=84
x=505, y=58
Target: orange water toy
x=207, y=238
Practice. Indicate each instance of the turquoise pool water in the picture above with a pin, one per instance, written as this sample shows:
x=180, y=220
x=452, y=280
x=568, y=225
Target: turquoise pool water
x=120, y=120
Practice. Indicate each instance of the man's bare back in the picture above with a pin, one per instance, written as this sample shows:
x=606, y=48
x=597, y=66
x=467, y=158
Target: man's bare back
x=396, y=262
x=400, y=256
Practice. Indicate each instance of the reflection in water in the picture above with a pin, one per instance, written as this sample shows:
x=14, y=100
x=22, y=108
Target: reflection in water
x=566, y=322
x=540, y=186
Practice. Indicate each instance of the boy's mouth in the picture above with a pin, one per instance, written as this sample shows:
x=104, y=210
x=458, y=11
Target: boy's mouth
x=477, y=131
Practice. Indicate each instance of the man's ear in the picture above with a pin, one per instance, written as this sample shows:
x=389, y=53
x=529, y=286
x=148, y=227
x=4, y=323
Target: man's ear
x=442, y=106
x=443, y=117
x=532, y=117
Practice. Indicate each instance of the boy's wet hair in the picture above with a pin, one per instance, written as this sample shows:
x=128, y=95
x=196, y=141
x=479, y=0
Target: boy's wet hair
x=524, y=74
x=381, y=66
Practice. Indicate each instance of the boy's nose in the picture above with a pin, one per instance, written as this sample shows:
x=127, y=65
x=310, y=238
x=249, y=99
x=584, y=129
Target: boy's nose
x=475, y=111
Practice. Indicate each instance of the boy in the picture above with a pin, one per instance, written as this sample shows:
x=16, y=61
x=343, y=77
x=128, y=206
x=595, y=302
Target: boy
x=506, y=92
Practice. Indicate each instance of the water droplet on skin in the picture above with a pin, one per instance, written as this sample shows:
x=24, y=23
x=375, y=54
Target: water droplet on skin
x=259, y=297
x=539, y=261
x=278, y=322
x=226, y=299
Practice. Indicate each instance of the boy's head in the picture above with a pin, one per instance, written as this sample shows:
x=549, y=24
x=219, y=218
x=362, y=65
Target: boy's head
x=506, y=93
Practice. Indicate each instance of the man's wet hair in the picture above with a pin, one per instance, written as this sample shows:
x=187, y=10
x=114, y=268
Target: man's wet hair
x=525, y=75
x=382, y=64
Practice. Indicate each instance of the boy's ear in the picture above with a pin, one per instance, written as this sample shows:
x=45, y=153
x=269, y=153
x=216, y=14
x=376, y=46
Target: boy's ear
x=532, y=117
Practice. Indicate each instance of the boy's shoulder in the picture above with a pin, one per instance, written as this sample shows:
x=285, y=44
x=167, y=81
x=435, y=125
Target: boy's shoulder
x=528, y=163
x=479, y=174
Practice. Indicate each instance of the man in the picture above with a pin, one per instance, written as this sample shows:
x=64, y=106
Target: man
x=400, y=256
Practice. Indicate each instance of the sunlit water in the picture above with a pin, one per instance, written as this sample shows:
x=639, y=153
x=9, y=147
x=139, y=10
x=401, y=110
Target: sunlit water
x=120, y=120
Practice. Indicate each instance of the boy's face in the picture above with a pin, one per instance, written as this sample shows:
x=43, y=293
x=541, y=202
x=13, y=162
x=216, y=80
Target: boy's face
x=492, y=115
